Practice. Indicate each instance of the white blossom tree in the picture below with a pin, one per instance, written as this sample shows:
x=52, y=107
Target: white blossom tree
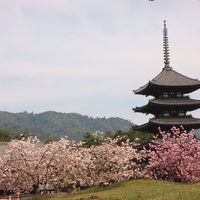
x=29, y=162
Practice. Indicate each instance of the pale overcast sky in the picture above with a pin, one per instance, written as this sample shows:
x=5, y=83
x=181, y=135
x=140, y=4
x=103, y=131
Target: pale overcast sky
x=87, y=56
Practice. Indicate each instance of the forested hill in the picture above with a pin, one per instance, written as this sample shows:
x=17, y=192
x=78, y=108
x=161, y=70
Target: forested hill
x=55, y=125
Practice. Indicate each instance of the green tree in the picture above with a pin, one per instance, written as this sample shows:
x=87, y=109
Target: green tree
x=4, y=136
x=139, y=136
x=21, y=136
x=92, y=140
x=108, y=134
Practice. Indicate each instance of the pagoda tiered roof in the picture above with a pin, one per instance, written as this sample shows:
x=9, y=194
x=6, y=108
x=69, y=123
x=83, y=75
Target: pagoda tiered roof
x=170, y=105
x=176, y=121
x=160, y=104
x=167, y=123
x=169, y=78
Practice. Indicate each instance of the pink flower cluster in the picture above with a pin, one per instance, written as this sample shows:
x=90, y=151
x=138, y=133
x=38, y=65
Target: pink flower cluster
x=175, y=157
x=29, y=163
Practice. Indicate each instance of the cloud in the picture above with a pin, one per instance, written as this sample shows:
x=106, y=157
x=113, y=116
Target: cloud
x=87, y=56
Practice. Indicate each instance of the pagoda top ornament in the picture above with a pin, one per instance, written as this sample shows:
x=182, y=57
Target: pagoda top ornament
x=166, y=47
x=170, y=104
x=168, y=77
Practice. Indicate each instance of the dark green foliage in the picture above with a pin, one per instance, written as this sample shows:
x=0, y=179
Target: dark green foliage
x=20, y=136
x=108, y=134
x=4, y=136
x=55, y=125
x=144, y=137
x=91, y=140
x=140, y=137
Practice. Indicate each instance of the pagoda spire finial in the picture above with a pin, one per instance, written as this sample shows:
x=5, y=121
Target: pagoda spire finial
x=166, y=47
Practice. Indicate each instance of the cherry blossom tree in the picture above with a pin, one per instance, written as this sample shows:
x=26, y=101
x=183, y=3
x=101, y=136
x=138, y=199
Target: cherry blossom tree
x=29, y=163
x=109, y=162
x=175, y=157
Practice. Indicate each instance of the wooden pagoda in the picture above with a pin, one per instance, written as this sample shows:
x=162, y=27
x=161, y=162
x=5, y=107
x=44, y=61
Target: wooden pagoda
x=170, y=103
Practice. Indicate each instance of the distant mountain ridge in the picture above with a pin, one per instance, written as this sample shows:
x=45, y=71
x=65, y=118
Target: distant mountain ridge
x=54, y=125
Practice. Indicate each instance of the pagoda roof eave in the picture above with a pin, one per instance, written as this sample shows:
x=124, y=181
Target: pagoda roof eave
x=144, y=127
x=168, y=78
x=146, y=89
x=141, y=89
x=191, y=104
x=175, y=101
x=154, y=124
x=176, y=121
x=142, y=109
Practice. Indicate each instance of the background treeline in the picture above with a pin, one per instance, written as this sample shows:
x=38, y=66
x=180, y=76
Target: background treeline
x=95, y=139
x=54, y=125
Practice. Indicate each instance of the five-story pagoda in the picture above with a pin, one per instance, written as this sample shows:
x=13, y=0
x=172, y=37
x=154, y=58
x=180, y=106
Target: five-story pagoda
x=170, y=103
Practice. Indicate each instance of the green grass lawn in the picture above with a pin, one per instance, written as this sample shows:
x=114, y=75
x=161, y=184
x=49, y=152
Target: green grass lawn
x=135, y=190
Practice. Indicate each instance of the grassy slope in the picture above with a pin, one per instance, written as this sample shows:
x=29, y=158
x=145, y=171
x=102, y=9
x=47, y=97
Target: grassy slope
x=136, y=190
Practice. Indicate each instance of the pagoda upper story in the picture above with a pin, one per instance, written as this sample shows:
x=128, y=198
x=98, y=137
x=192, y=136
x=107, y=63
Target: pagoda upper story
x=170, y=82
x=170, y=104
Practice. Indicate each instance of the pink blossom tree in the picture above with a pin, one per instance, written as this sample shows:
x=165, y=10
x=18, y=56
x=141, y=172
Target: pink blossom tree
x=175, y=157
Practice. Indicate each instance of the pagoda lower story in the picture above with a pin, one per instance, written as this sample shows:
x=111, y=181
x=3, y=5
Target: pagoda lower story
x=165, y=124
x=171, y=103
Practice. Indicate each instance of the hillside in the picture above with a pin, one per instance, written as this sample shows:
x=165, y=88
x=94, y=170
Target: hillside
x=55, y=125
